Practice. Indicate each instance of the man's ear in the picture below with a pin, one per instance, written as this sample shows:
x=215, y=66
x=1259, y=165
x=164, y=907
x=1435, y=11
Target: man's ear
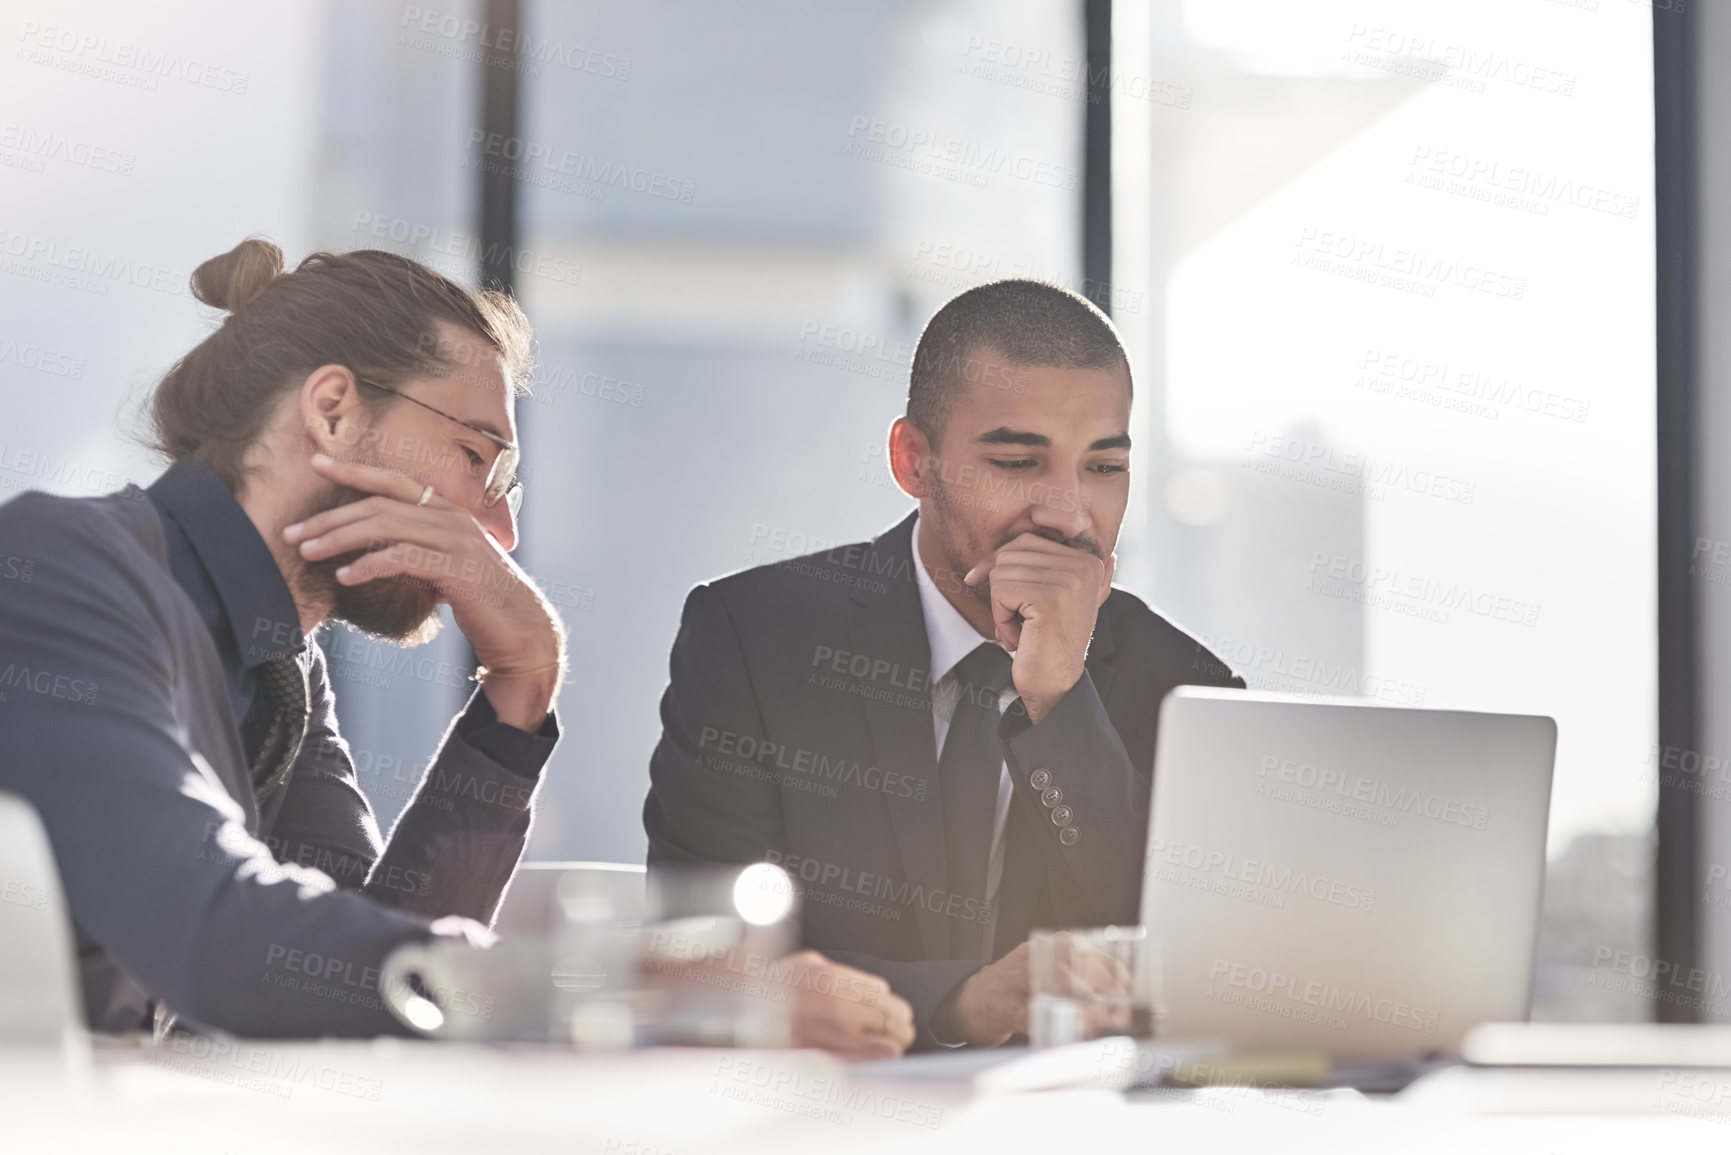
x=333, y=413
x=911, y=460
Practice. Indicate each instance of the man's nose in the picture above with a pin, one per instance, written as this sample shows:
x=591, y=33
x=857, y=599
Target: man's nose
x=1062, y=510
x=499, y=522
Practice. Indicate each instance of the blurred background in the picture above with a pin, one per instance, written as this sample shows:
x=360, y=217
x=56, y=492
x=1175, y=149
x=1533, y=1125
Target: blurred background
x=1386, y=269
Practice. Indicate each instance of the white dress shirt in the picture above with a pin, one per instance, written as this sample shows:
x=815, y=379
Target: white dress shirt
x=951, y=639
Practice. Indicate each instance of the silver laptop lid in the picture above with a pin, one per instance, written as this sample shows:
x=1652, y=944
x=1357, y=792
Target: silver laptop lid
x=1343, y=878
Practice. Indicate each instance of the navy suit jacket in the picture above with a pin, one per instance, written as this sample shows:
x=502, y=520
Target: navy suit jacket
x=797, y=729
x=117, y=722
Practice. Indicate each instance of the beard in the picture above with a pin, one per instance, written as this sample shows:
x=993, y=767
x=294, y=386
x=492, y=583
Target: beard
x=957, y=542
x=399, y=609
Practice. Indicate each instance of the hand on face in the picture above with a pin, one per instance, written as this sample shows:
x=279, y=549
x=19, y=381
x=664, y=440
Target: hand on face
x=1044, y=599
x=501, y=612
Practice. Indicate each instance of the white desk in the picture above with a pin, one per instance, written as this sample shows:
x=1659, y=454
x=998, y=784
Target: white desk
x=388, y=1096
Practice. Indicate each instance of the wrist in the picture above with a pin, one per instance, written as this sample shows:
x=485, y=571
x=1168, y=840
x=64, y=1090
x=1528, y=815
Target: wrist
x=965, y=1016
x=524, y=638
x=523, y=702
x=528, y=647
x=1042, y=700
x=490, y=672
x=521, y=680
x=943, y=1024
x=530, y=654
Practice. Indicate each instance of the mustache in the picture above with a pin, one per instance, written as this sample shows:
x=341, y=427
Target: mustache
x=1082, y=541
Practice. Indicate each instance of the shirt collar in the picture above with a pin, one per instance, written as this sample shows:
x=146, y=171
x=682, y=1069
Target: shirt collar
x=948, y=633
x=254, y=598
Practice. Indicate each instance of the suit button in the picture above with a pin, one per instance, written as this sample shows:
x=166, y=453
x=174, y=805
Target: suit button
x=1061, y=816
x=1069, y=836
x=1040, y=779
x=1051, y=796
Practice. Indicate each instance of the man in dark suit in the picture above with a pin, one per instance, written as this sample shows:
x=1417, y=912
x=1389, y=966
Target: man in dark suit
x=945, y=735
x=342, y=448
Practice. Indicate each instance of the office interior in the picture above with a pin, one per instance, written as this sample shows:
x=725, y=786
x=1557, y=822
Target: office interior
x=1421, y=297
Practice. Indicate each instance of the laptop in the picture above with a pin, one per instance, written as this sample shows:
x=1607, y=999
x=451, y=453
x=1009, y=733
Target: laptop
x=1338, y=878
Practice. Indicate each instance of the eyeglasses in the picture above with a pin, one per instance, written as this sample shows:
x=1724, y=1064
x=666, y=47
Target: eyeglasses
x=501, y=478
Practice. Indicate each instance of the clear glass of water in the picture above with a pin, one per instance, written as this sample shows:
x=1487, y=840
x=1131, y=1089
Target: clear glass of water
x=1090, y=984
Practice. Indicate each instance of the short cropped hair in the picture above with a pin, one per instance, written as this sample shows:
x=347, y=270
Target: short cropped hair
x=1026, y=322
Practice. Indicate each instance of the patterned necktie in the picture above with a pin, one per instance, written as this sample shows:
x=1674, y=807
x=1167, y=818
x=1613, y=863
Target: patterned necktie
x=968, y=774
x=276, y=723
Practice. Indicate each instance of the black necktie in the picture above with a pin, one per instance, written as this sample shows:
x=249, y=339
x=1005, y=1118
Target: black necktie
x=968, y=774
x=276, y=723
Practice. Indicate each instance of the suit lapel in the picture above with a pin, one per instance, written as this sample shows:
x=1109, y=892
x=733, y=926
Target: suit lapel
x=891, y=627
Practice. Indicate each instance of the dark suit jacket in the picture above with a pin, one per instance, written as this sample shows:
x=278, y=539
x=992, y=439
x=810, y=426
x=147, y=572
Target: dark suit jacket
x=116, y=723
x=797, y=729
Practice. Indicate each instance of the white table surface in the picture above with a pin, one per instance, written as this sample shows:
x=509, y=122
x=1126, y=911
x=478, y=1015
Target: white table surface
x=330, y=1098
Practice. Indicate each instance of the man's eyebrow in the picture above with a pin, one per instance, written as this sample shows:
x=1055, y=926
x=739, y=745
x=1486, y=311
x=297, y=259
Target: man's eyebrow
x=480, y=425
x=1004, y=435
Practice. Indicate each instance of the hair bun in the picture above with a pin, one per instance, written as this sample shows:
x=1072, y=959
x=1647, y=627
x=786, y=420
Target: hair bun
x=231, y=280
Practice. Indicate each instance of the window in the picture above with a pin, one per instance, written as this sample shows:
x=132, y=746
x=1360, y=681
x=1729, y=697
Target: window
x=745, y=214
x=1397, y=371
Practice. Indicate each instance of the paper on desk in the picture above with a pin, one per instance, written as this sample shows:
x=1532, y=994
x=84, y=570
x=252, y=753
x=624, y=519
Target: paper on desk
x=1597, y=1045
x=1110, y=1064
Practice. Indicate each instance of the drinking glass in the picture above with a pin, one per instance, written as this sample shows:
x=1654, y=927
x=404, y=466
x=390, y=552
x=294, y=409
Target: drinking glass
x=1090, y=984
